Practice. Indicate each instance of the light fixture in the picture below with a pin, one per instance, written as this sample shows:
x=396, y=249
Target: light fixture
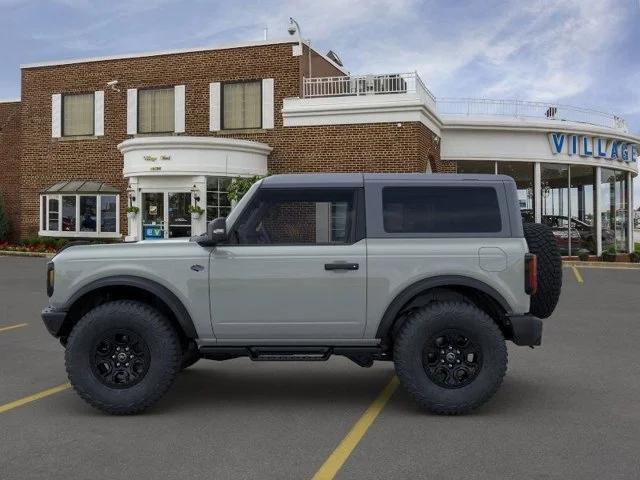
x=132, y=193
x=196, y=193
x=436, y=139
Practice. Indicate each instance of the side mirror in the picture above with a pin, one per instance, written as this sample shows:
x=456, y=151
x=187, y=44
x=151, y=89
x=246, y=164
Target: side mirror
x=216, y=233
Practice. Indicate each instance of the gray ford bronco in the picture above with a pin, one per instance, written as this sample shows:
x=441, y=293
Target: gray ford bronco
x=432, y=272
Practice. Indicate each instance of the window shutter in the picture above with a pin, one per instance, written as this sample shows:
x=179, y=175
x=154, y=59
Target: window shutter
x=214, y=107
x=98, y=112
x=179, y=110
x=132, y=111
x=267, y=103
x=56, y=115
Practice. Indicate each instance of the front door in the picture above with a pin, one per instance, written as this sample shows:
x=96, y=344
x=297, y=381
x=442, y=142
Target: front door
x=295, y=267
x=165, y=215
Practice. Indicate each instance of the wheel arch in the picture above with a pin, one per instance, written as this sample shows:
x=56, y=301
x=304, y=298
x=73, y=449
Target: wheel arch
x=423, y=291
x=128, y=287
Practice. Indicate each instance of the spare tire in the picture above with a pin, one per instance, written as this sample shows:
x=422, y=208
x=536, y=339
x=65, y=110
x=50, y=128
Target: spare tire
x=542, y=243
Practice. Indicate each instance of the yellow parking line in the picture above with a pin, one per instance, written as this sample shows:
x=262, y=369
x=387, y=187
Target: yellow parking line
x=32, y=398
x=576, y=273
x=11, y=327
x=335, y=461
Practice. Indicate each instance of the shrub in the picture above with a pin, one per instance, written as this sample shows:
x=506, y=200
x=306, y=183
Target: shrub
x=239, y=186
x=583, y=254
x=609, y=255
x=5, y=227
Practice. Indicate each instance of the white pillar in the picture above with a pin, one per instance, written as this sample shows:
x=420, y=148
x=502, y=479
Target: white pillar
x=537, y=192
x=134, y=228
x=630, y=211
x=598, y=212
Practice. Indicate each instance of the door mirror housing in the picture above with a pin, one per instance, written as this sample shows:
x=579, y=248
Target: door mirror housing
x=216, y=233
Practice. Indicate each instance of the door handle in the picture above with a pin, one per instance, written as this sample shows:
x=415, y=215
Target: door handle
x=341, y=266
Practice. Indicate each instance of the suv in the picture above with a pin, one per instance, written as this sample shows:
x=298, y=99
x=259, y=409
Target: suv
x=432, y=272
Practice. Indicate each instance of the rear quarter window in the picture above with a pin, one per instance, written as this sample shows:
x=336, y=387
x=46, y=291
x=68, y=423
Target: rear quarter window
x=446, y=209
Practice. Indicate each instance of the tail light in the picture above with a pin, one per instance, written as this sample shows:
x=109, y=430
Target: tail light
x=530, y=274
x=51, y=276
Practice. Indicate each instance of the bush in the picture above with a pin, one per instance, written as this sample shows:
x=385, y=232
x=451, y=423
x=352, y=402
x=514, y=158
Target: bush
x=634, y=257
x=610, y=254
x=583, y=255
x=5, y=227
x=239, y=186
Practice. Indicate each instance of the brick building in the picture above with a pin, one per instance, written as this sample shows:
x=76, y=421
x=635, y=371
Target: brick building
x=168, y=130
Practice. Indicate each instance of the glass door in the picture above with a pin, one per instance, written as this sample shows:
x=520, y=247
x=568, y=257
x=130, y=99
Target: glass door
x=179, y=220
x=153, y=220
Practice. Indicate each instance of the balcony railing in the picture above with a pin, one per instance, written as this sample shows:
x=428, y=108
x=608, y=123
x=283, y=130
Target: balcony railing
x=411, y=83
x=393, y=83
x=524, y=109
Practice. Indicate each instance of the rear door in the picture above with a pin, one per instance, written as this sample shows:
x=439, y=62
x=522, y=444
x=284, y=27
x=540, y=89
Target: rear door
x=295, y=267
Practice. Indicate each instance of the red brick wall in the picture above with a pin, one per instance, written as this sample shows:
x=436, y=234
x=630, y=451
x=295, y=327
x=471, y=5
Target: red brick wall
x=9, y=161
x=341, y=148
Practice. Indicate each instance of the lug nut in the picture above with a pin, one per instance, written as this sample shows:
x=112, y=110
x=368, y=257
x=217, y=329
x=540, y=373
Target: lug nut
x=450, y=365
x=441, y=361
x=117, y=364
x=127, y=349
x=126, y=364
x=441, y=351
x=130, y=356
x=457, y=361
x=117, y=349
x=113, y=356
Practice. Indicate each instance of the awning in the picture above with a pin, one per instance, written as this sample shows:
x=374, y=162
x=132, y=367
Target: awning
x=81, y=186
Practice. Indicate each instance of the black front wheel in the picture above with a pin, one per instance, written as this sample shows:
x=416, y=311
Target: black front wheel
x=450, y=356
x=122, y=356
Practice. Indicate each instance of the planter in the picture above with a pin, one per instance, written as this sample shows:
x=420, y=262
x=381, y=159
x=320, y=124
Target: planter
x=132, y=216
x=195, y=216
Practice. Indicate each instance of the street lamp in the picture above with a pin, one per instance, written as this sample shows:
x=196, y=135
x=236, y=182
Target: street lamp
x=294, y=27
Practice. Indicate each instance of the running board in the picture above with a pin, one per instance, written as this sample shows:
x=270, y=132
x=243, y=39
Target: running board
x=363, y=356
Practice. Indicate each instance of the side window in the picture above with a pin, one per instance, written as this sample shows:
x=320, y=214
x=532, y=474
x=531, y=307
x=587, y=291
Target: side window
x=298, y=217
x=435, y=209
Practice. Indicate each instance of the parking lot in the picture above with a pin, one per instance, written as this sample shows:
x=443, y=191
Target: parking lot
x=570, y=409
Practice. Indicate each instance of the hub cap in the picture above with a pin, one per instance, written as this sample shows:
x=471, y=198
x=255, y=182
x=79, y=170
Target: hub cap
x=451, y=359
x=120, y=358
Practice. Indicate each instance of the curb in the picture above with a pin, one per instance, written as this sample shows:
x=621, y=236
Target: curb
x=11, y=253
x=603, y=265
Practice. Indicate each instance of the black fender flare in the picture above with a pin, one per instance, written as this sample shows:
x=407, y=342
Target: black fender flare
x=415, y=289
x=163, y=293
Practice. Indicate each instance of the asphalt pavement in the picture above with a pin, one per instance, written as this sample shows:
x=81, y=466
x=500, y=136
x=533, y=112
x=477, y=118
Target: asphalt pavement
x=569, y=409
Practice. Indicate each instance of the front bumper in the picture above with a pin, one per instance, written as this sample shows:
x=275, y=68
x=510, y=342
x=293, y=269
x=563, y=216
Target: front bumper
x=527, y=330
x=54, y=320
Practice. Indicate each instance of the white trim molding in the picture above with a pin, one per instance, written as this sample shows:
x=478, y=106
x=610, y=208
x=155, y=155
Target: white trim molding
x=188, y=156
x=406, y=107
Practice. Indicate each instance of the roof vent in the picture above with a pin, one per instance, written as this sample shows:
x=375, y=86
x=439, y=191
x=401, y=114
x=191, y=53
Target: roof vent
x=334, y=57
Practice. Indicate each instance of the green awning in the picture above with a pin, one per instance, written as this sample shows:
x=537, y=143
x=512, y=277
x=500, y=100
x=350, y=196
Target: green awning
x=81, y=186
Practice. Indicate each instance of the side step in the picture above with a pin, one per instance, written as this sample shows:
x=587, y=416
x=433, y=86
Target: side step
x=363, y=356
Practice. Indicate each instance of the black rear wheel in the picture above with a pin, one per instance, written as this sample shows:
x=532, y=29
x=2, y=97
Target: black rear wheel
x=122, y=356
x=450, y=356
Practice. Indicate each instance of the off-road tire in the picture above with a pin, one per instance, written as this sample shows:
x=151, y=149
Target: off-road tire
x=426, y=322
x=164, y=354
x=190, y=355
x=542, y=243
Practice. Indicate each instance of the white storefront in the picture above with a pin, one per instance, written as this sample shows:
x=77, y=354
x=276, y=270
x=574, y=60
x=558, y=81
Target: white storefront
x=167, y=174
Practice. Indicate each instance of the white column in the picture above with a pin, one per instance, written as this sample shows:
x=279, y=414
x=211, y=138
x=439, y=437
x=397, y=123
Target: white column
x=199, y=226
x=537, y=193
x=134, y=223
x=214, y=106
x=630, y=211
x=598, y=213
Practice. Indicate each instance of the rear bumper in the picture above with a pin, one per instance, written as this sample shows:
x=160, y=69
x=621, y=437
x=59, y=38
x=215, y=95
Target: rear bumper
x=53, y=319
x=527, y=330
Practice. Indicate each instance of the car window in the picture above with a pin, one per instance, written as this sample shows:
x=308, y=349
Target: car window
x=297, y=217
x=441, y=210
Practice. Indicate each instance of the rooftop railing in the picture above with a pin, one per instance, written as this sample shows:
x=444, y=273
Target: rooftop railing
x=525, y=109
x=411, y=83
x=357, y=85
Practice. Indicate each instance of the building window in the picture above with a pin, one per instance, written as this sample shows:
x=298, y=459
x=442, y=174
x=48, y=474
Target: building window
x=156, y=110
x=555, y=204
x=522, y=174
x=473, y=166
x=78, y=114
x=614, y=210
x=78, y=215
x=242, y=105
x=581, y=203
x=218, y=203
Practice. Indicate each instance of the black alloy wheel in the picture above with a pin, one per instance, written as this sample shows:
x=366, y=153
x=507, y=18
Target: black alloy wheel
x=451, y=359
x=120, y=358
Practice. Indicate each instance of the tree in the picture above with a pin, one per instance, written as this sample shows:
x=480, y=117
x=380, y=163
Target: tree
x=4, y=221
x=241, y=185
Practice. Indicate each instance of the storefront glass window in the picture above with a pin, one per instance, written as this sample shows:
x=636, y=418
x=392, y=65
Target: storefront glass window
x=108, y=213
x=615, y=218
x=69, y=213
x=522, y=173
x=555, y=204
x=218, y=203
x=88, y=215
x=471, y=166
x=582, y=201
